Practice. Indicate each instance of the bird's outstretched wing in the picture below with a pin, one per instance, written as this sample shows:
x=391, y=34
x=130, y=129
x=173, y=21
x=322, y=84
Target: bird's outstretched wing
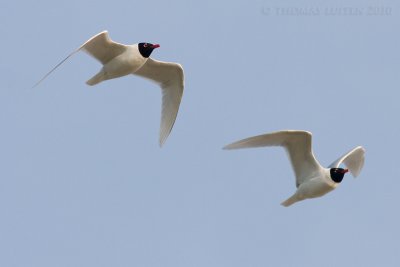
x=102, y=48
x=354, y=160
x=99, y=46
x=171, y=79
x=297, y=144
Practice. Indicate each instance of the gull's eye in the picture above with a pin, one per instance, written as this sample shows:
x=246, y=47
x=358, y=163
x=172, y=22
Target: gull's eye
x=145, y=45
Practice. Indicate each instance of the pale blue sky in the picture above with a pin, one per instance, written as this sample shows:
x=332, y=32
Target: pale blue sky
x=84, y=183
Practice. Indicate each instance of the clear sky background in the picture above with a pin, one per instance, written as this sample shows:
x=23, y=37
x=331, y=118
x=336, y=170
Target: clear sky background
x=83, y=181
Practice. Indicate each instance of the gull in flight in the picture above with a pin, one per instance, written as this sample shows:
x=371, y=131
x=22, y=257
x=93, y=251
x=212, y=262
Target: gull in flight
x=119, y=60
x=312, y=180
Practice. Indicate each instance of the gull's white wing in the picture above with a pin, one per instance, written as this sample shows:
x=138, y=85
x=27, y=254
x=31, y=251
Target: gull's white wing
x=297, y=144
x=354, y=160
x=99, y=46
x=171, y=79
x=102, y=48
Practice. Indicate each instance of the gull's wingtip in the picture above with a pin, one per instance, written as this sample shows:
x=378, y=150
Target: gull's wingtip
x=36, y=84
x=227, y=147
x=232, y=146
x=161, y=141
x=53, y=69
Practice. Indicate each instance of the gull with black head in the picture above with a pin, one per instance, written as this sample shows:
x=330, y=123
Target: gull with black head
x=312, y=180
x=120, y=60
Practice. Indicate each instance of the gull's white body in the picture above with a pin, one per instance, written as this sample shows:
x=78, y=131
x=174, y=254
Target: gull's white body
x=124, y=64
x=120, y=60
x=316, y=185
x=312, y=180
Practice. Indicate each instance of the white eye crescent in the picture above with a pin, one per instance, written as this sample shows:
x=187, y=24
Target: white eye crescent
x=145, y=45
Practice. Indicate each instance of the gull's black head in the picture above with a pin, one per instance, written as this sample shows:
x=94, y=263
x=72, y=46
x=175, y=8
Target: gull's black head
x=145, y=49
x=337, y=174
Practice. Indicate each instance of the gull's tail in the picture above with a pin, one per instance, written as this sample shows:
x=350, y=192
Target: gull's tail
x=291, y=200
x=99, y=77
